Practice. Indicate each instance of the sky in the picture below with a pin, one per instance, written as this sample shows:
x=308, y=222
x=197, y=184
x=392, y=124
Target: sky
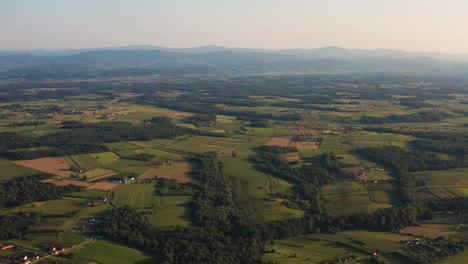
x=412, y=25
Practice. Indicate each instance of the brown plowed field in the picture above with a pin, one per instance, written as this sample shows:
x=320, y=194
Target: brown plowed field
x=292, y=156
x=57, y=166
x=279, y=141
x=103, y=186
x=180, y=175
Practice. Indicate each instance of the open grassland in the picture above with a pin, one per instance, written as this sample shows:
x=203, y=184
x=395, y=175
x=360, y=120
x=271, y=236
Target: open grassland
x=381, y=197
x=456, y=177
x=330, y=143
x=368, y=240
x=345, y=198
x=173, y=211
x=320, y=247
x=98, y=211
x=59, y=237
x=348, y=159
x=122, y=165
x=107, y=252
x=120, y=146
x=136, y=195
x=10, y=170
x=52, y=207
x=85, y=161
x=89, y=194
x=106, y=157
x=308, y=251
x=160, y=155
x=36, y=241
x=200, y=146
x=125, y=153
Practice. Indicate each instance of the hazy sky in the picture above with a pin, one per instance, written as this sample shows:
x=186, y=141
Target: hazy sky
x=414, y=25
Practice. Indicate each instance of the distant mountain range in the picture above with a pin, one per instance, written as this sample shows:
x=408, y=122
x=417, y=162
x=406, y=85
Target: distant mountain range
x=148, y=60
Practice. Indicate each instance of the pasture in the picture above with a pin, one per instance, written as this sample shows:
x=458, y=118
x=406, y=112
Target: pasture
x=84, y=161
x=455, y=177
x=346, y=197
x=136, y=195
x=330, y=143
x=10, y=170
x=107, y=252
x=172, y=211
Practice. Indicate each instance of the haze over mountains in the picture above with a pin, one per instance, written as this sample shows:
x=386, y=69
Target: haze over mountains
x=147, y=60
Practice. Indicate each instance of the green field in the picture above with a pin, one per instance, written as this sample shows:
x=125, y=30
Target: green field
x=457, y=177
x=105, y=157
x=172, y=211
x=380, y=197
x=52, y=207
x=84, y=161
x=329, y=143
x=200, y=146
x=89, y=193
x=136, y=195
x=320, y=247
x=10, y=170
x=106, y=252
x=120, y=146
x=346, y=197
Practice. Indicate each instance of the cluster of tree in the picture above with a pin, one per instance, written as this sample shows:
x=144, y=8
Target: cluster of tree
x=443, y=146
x=166, y=187
x=19, y=225
x=200, y=118
x=420, y=117
x=308, y=178
x=28, y=189
x=26, y=123
x=453, y=204
x=400, y=159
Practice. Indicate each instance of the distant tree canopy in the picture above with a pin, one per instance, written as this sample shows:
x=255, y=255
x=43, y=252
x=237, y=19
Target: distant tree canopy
x=420, y=117
x=87, y=138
